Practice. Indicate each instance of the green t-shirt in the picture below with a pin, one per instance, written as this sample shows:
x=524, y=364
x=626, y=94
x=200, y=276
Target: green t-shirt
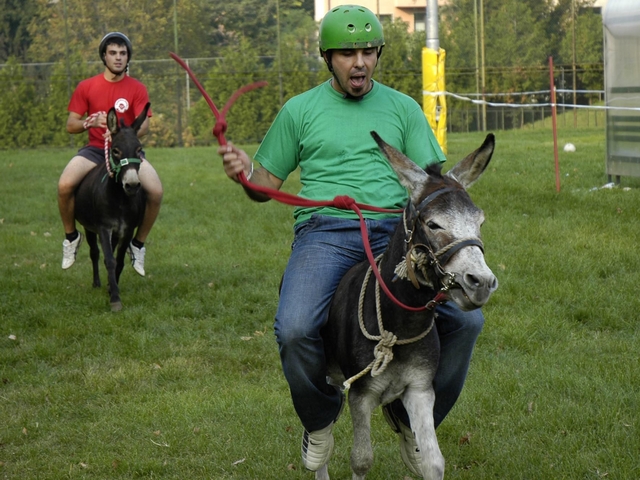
x=328, y=137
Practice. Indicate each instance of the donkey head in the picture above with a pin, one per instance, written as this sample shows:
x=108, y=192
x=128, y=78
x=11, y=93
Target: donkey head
x=126, y=150
x=443, y=225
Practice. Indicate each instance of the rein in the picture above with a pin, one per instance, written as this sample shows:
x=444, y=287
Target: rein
x=342, y=201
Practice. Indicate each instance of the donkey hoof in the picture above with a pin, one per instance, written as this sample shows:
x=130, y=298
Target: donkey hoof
x=116, y=306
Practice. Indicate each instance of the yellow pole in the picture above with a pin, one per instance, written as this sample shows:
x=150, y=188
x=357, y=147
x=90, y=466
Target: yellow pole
x=433, y=88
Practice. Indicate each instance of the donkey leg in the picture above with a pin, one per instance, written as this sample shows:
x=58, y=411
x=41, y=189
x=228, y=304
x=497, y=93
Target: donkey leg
x=419, y=406
x=110, y=263
x=94, y=253
x=123, y=244
x=323, y=473
x=361, y=406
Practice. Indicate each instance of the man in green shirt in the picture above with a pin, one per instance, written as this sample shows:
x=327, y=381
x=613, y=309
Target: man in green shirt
x=325, y=133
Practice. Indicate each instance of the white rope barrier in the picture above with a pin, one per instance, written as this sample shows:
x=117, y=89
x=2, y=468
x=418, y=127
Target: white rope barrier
x=530, y=105
x=534, y=92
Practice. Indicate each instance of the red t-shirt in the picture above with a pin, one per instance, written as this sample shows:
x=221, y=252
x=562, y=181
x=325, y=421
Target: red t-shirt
x=96, y=94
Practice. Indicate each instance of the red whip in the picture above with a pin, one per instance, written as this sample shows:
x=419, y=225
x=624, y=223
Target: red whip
x=220, y=127
x=342, y=201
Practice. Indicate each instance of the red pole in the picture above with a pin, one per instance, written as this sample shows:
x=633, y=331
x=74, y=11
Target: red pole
x=554, y=123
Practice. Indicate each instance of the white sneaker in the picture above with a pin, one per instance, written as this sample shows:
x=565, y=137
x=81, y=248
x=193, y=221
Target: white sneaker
x=137, y=258
x=409, y=450
x=69, y=251
x=317, y=447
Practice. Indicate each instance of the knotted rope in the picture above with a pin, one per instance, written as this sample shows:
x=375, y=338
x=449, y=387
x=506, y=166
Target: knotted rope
x=417, y=259
x=383, y=351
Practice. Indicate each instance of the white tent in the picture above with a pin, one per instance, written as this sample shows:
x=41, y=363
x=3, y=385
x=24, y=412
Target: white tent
x=621, y=20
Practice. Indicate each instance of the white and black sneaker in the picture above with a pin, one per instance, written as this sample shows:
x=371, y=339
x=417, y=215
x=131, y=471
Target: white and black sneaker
x=409, y=450
x=137, y=258
x=70, y=250
x=317, y=447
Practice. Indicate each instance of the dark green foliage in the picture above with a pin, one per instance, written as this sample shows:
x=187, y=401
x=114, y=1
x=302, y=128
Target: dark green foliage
x=230, y=44
x=15, y=16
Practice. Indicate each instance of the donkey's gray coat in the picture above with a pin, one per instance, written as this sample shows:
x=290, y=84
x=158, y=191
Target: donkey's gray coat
x=448, y=218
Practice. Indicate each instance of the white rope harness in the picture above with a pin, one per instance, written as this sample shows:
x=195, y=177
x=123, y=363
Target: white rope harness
x=383, y=351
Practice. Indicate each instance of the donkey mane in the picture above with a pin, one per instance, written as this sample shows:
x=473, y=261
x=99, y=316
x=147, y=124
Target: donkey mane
x=435, y=170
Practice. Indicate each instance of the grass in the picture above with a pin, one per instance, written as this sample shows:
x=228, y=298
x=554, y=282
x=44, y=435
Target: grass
x=185, y=382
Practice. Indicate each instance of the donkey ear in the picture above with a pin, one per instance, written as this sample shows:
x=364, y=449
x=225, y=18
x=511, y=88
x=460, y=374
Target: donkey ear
x=112, y=121
x=141, y=118
x=411, y=176
x=468, y=170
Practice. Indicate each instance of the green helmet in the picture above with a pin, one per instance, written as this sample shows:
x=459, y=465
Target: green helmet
x=350, y=26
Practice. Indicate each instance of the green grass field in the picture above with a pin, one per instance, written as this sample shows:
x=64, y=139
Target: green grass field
x=185, y=382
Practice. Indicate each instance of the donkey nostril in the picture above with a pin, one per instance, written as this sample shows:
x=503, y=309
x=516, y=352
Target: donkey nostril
x=472, y=280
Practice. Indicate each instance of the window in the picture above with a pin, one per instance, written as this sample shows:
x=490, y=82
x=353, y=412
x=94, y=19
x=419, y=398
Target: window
x=419, y=21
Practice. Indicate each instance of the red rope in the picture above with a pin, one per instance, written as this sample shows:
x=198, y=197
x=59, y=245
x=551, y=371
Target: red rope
x=87, y=124
x=220, y=127
x=343, y=201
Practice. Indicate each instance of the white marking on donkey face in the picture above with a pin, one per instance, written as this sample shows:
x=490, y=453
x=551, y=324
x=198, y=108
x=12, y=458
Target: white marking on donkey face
x=131, y=181
x=475, y=282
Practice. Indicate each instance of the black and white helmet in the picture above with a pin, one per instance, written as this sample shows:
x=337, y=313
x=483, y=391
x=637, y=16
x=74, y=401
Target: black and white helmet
x=115, y=37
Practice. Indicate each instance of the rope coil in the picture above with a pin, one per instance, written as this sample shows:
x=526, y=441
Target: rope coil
x=383, y=351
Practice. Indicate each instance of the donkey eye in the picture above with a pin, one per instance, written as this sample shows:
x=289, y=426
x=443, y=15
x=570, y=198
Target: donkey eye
x=116, y=151
x=433, y=225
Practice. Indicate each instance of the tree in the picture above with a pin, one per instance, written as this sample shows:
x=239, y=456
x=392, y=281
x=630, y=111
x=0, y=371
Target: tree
x=400, y=63
x=18, y=107
x=588, y=47
x=15, y=16
x=515, y=44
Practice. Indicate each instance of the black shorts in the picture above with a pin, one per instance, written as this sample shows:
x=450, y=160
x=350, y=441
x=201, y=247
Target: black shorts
x=96, y=155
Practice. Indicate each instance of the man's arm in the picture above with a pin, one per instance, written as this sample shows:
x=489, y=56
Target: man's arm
x=144, y=128
x=75, y=123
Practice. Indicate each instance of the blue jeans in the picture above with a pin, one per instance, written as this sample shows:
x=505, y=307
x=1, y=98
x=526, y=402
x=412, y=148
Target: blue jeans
x=323, y=250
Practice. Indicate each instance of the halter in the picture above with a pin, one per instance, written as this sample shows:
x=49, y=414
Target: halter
x=422, y=255
x=115, y=168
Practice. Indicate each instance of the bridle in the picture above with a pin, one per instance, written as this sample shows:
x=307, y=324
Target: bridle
x=422, y=257
x=114, y=168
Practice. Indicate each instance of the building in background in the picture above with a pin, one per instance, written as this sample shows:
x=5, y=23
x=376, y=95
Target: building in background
x=412, y=12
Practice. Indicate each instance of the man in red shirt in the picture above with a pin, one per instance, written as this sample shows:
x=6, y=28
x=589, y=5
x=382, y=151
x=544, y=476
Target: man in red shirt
x=88, y=108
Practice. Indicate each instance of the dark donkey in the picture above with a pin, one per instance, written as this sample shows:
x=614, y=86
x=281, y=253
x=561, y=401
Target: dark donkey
x=110, y=203
x=435, y=254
